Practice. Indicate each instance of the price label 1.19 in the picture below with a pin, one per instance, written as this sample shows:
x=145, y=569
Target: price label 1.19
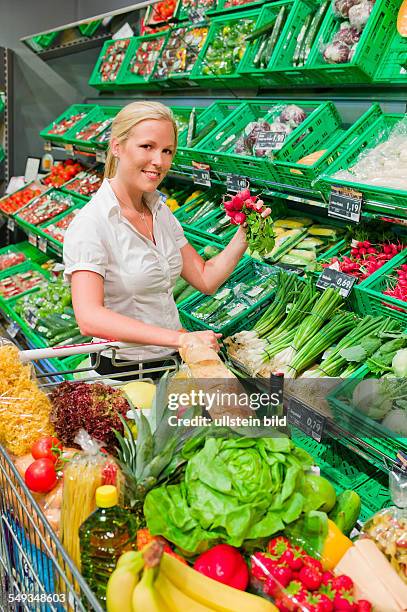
x=236, y=183
x=337, y=280
x=310, y=422
x=345, y=203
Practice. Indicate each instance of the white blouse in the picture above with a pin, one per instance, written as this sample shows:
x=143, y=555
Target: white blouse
x=139, y=275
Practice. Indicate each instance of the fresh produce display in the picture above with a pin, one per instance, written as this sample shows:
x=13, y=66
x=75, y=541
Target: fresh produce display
x=45, y=207
x=225, y=51
x=180, y=52
x=86, y=184
x=265, y=38
x=93, y=129
x=365, y=258
x=65, y=124
x=388, y=530
x=161, y=11
x=353, y=16
x=397, y=286
x=20, y=198
x=143, y=62
x=58, y=230
x=384, y=164
x=20, y=282
x=62, y=172
x=309, y=32
x=10, y=259
x=195, y=5
x=112, y=60
x=182, y=288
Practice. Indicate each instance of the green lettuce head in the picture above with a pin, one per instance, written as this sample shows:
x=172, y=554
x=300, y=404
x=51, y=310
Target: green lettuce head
x=234, y=490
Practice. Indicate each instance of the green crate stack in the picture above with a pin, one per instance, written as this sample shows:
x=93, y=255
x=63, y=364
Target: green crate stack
x=98, y=115
x=226, y=6
x=202, y=72
x=112, y=82
x=245, y=271
x=69, y=112
x=207, y=123
x=266, y=45
x=30, y=252
x=371, y=298
x=302, y=25
x=128, y=79
x=382, y=444
x=369, y=50
x=26, y=266
x=70, y=199
x=89, y=28
x=40, y=230
x=206, y=228
x=376, y=123
x=392, y=68
x=186, y=6
x=45, y=40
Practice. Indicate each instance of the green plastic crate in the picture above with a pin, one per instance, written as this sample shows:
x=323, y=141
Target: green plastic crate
x=189, y=5
x=375, y=495
x=197, y=241
x=223, y=81
x=100, y=114
x=268, y=15
x=392, y=67
x=24, y=267
x=381, y=442
x=204, y=228
x=376, y=199
x=126, y=78
x=33, y=229
x=223, y=7
x=50, y=239
x=281, y=68
x=207, y=123
x=80, y=175
x=148, y=19
x=30, y=252
x=371, y=298
x=44, y=41
x=75, y=109
x=186, y=212
x=1, y=104
x=88, y=29
x=2, y=154
x=117, y=46
x=369, y=50
x=245, y=319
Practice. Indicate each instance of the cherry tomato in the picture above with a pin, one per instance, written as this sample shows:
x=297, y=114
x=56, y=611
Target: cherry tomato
x=41, y=476
x=42, y=449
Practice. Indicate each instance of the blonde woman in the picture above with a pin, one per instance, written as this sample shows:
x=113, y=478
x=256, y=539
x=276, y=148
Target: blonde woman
x=125, y=250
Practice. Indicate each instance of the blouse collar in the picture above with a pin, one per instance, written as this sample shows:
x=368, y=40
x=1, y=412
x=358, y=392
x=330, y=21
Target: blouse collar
x=153, y=200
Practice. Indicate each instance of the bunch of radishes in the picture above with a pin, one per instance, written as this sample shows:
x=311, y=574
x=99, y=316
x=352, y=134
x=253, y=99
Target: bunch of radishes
x=365, y=258
x=249, y=211
x=399, y=291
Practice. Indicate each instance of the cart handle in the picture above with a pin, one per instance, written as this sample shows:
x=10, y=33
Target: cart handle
x=72, y=349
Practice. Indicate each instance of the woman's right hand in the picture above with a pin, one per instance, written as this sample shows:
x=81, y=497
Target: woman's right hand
x=206, y=338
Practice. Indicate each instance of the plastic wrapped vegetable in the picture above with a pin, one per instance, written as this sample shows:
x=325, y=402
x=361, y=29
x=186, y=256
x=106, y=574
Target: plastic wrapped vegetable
x=293, y=115
x=341, y=8
x=336, y=52
x=360, y=13
x=347, y=34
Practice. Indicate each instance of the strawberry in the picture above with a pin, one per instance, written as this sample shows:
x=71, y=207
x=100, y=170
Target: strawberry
x=324, y=603
x=314, y=563
x=293, y=557
x=310, y=577
x=315, y=602
x=342, y=583
x=344, y=602
x=293, y=595
x=280, y=604
x=363, y=605
x=327, y=577
x=278, y=545
x=266, y=561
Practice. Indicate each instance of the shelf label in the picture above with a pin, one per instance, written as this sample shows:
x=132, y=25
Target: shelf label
x=310, y=422
x=32, y=239
x=270, y=141
x=236, y=183
x=13, y=329
x=31, y=319
x=47, y=146
x=69, y=148
x=42, y=244
x=101, y=157
x=201, y=174
x=345, y=203
x=197, y=15
x=337, y=280
x=32, y=166
x=11, y=225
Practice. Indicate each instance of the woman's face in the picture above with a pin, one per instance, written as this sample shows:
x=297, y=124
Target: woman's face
x=146, y=156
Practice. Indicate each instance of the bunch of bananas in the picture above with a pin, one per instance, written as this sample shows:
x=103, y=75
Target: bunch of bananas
x=153, y=581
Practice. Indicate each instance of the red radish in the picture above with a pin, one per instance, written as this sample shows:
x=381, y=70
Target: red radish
x=229, y=205
x=244, y=194
x=240, y=218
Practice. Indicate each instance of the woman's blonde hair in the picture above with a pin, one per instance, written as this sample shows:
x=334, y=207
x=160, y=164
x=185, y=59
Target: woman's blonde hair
x=127, y=118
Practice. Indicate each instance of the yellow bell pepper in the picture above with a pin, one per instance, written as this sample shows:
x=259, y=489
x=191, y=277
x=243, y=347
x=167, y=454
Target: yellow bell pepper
x=335, y=546
x=172, y=204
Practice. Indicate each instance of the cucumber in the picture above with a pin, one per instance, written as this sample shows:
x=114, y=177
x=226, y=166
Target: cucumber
x=186, y=293
x=179, y=287
x=268, y=52
x=300, y=39
x=261, y=31
x=313, y=30
x=204, y=132
x=346, y=511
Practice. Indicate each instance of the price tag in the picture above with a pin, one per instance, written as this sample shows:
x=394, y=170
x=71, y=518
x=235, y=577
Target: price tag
x=345, y=203
x=11, y=224
x=31, y=319
x=197, y=15
x=32, y=166
x=101, y=157
x=337, y=280
x=124, y=32
x=32, y=239
x=13, y=329
x=310, y=422
x=236, y=183
x=270, y=141
x=201, y=174
x=47, y=146
x=42, y=244
x=69, y=148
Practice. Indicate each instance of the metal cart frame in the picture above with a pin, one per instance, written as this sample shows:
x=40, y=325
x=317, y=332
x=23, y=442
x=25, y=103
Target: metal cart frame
x=36, y=573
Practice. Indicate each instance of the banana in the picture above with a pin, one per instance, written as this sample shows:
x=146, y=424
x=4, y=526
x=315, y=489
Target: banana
x=129, y=558
x=119, y=590
x=208, y=592
x=175, y=599
x=145, y=597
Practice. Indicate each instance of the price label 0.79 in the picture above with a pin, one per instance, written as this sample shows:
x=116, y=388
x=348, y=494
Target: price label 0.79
x=236, y=183
x=337, y=280
x=310, y=422
x=345, y=203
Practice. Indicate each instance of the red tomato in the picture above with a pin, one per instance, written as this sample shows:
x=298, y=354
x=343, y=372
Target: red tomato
x=42, y=449
x=41, y=476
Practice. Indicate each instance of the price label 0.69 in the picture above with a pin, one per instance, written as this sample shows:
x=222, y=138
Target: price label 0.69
x=201, y=174
x=337, y=280
x=345, y=203
x=236, y=183
x=310, y=422
x=270, y=141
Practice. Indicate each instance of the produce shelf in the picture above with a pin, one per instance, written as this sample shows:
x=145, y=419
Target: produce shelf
x=76, y=110
x=25, y=267
x=146, y=50
x=95, y=123
x=392, y=68
x=112, y=54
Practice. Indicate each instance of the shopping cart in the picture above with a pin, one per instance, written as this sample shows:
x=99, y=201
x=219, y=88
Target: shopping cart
x=36, y=574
